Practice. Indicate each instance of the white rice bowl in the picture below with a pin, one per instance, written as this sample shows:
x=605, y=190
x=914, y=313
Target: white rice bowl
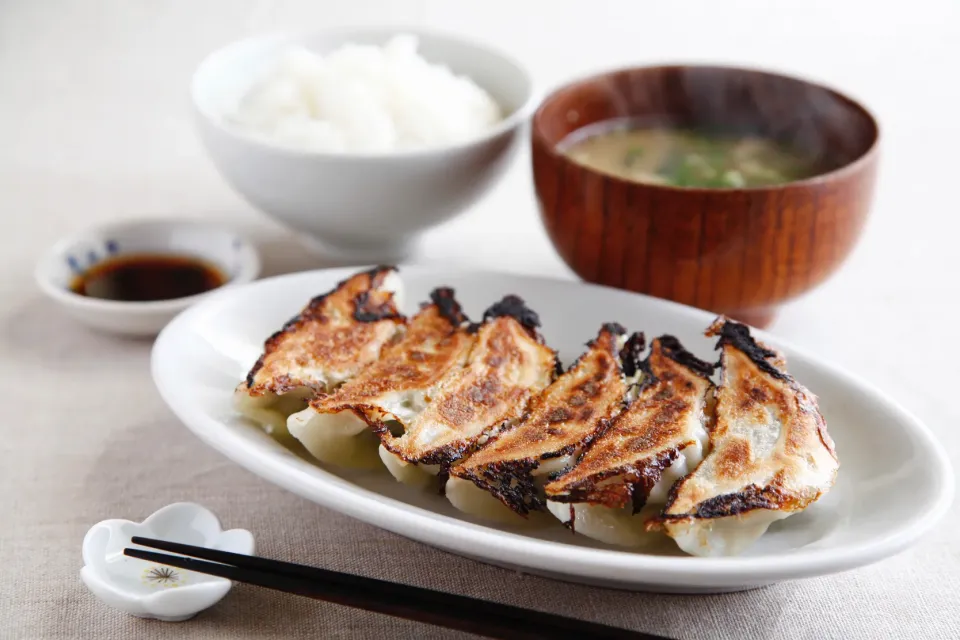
x=363, y=99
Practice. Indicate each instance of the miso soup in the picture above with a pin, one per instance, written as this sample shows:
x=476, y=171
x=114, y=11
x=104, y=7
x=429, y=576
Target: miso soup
x=687, y=157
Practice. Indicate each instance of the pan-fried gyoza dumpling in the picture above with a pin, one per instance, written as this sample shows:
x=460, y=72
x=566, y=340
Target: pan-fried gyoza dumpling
x=626, y=472
x=506, y=476
x=771, y=454
x=336, y=428
x=507, y=367
x=330, y=341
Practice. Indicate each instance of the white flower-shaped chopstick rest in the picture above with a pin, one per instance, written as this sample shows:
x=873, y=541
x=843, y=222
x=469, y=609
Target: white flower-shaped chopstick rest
x=150, y=590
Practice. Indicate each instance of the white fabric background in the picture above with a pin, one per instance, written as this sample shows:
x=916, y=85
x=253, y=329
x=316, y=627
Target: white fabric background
x=94, y=126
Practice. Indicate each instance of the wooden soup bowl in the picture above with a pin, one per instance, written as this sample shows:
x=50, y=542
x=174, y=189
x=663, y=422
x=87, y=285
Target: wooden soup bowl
x=740, y=252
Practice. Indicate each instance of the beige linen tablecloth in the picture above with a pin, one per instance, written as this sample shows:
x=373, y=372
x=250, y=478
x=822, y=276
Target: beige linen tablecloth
x=94, y=126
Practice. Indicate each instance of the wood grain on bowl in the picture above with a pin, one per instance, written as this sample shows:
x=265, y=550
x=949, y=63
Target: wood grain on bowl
x=736, y=251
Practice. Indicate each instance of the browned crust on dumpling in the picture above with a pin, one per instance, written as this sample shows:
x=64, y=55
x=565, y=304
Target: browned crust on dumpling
x=512, y=306
x=507, y=367
x=333, y=331
x=734, y=478
x=623, y=463
x=738, y=336
x=773, y=363
x=561, y=421
x=771, y=497
x=435, y=342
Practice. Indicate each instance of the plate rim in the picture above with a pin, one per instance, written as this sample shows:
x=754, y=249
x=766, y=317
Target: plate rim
x=478, y=541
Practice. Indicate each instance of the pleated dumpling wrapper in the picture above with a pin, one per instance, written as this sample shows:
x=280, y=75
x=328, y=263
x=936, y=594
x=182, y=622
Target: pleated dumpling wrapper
x=332, y=339
x=341, y=428
x=507, y=367
x=771, y=455
x=624, y=476
x=505, y=478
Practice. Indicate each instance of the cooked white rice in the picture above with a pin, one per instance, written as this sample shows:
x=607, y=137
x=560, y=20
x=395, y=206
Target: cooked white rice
x=364, y=98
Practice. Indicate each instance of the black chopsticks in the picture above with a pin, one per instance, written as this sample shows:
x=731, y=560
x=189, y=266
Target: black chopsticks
x=413, y=603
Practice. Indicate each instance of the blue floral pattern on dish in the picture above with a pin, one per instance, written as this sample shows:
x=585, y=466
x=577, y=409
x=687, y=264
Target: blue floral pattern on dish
x=78, y=266
x=110, y=248
x=74, y=265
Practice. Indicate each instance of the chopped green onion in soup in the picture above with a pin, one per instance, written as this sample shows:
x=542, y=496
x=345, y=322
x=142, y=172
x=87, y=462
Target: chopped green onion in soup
x=688, y=158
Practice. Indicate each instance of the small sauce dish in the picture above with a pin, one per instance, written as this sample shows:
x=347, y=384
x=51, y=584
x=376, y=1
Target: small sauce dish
x=132, y=278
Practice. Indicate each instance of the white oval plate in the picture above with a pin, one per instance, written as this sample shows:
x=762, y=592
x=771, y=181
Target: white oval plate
x=894, y=481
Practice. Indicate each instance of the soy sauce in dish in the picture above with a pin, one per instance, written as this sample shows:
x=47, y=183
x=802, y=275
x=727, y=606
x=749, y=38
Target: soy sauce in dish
x=146, y=277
